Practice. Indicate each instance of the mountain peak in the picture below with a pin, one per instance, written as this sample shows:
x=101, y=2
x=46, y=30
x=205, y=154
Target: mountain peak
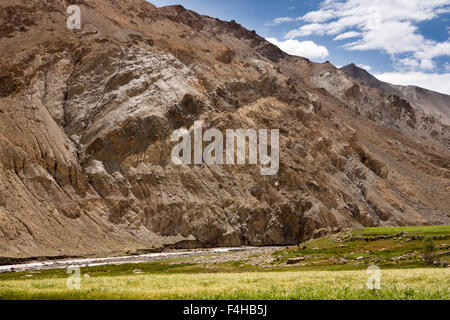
x=430, y=102
x=354, y=68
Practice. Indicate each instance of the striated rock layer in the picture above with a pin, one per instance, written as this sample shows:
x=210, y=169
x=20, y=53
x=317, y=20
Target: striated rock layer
x=86, y=118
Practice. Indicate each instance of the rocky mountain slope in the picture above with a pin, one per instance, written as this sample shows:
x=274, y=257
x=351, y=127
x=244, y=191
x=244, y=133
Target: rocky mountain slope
x=86, y=118
x=430, y=102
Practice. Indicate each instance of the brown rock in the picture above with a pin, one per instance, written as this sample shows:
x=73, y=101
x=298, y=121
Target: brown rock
x=225, y=55
x=86, y=119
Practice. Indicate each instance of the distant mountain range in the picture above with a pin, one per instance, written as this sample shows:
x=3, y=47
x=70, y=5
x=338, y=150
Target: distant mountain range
x=429, y=102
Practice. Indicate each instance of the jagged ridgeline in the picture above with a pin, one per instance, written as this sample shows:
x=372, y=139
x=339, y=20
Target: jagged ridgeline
x=86, y=118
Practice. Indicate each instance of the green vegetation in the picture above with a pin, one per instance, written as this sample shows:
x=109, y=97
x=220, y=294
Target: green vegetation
x=424, y=231
x=401, y=248
x=332, y=267
x=395, y=284
x=428, y=249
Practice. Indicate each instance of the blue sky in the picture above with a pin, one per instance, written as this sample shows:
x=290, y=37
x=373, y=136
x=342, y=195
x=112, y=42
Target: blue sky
x=399, y=41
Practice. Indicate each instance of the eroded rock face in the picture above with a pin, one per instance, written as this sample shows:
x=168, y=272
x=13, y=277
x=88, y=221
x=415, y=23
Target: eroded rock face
x=428, y=102
x=85, y=136
x=225, y=55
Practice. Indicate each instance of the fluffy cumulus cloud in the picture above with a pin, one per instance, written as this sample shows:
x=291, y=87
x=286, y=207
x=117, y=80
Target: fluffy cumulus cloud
x=307, y=49
x=408, y=63
x=431, y=81
x=390, y=26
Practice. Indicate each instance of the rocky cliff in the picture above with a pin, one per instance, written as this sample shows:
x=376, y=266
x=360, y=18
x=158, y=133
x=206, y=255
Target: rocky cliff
x=432, y=103
x=86, y=118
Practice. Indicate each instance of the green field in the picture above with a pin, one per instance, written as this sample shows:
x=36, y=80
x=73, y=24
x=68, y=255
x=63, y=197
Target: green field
x=332, y=267
x=391, y=247
x=428, y=230
x=395, y=284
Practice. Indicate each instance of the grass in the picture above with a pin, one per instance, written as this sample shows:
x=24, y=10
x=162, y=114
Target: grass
x=423, y=231
x=334, y=267
x=405, y=250
x=395, y=284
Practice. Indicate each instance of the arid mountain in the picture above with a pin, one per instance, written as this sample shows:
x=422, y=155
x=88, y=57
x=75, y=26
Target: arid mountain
x=429, y=102
x=86, y=118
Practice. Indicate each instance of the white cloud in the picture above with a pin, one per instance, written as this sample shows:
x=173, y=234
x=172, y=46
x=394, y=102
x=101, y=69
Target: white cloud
x=431, y=81
x=383, y=37
x=390, y=26
x=408, y=64
x=426, y=64
x=283, y=20
x=447, y=67
x=347, y=35
x=306, y=30
x=317, y=16
x=434, y=50
x=365, y=67
x=443, y=10
x=280, y=20
x=307, y=49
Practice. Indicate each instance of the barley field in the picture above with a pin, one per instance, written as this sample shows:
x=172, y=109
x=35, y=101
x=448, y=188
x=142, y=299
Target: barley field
x=395, y=284
x=334, y=267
